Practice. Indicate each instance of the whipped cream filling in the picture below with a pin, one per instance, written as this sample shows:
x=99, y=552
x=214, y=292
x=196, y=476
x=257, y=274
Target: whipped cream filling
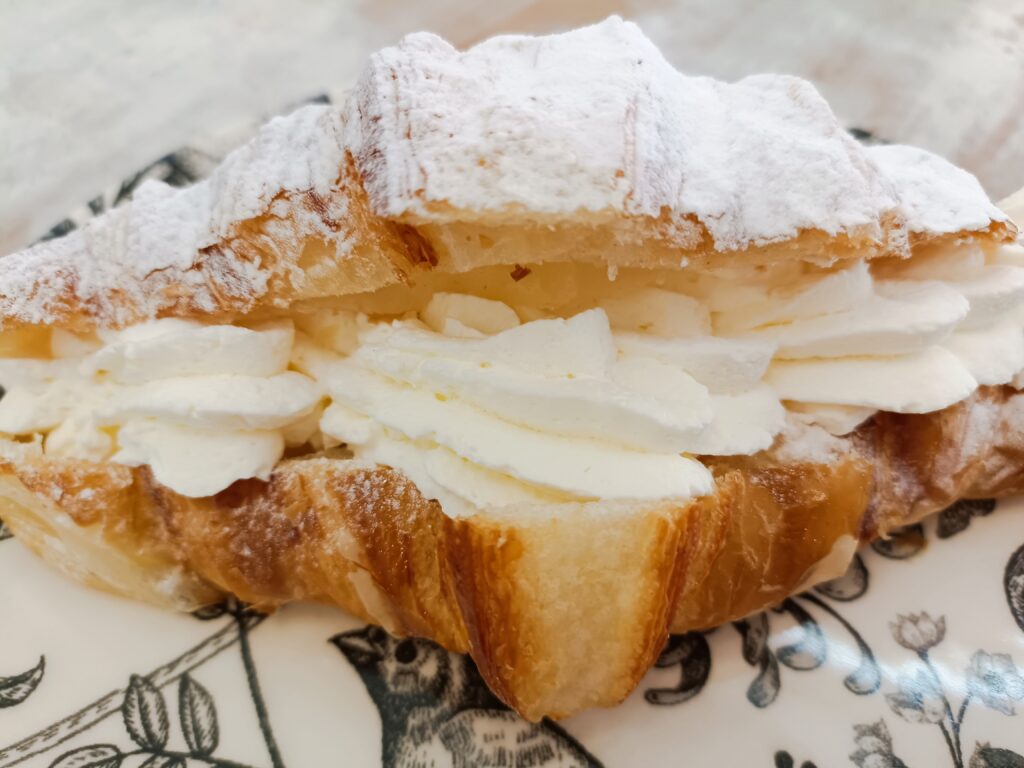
x=484, y=403
x=549, y=409
x=910, y=336
x=202, y=405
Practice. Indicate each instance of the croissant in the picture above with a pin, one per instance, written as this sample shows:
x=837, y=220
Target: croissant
x=541, y=350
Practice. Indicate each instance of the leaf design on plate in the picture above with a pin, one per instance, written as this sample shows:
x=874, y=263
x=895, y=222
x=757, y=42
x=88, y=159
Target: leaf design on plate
x=693, y=655
x=809, y=651
x=145, y=714
x=954, y=519
x=986, y=756
x=209, y=612
x=866, y=678
x=1013, y=583
x=164, y=761
x=902, y=543
x=765, y=687
x=754, y=631
x=17, y=688
x=198, y=717
x=850, y=585
x=94, y=756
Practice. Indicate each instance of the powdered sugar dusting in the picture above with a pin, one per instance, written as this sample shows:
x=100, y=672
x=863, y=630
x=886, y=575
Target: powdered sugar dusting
x=301, y=151
x=800, y=441
x=596, y=120
x=981, y=423
x=170, y=248
x=935, y=196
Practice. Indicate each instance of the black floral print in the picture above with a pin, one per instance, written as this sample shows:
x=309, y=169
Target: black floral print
x=991, y=678
x=430, y=699
x=146, y=719
x=16, y=688
x=995, y=680
x=693, y=655
x=874, y=747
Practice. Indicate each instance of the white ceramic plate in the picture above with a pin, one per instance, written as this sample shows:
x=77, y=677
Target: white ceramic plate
x=908, y=661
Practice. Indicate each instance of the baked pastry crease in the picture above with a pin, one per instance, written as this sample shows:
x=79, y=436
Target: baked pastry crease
x=542, y=350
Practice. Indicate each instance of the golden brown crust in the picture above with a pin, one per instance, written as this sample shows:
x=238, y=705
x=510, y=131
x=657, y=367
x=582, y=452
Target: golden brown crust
x=511, y=591
x=779, y=521
x=924, y=463
x=285, y=224
x=93, y=522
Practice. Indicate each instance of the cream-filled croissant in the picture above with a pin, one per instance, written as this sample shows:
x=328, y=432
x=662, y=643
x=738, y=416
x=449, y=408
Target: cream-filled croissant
x=542, y=350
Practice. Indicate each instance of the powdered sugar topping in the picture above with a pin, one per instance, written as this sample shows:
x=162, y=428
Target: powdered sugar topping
x=597, y=121
x=935, y=197
x=592, y=124
x=807, y=442
x=146, y=258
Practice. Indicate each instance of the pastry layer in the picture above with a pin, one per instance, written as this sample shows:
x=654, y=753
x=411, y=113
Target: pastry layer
x=526, y=590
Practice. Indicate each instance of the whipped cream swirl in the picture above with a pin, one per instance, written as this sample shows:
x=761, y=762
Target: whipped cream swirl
x=486, y=404
x=549, y=410
x=484, y=410
x=202, y=405
x=909, y=336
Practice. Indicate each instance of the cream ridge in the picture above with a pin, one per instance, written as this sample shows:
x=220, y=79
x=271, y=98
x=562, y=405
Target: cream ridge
x=202, y=405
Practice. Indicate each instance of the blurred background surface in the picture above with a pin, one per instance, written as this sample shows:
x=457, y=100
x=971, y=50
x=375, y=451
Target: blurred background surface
x=90, y=91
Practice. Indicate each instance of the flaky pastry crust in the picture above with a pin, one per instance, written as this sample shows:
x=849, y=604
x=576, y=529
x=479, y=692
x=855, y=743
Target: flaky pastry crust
x=507, y=589
x=564, y=607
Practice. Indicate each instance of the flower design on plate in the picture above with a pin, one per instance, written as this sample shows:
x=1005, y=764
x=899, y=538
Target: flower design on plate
x=995, y=679
x=874, y=747
x=918, y=631
x=919, y=699
x=992, y=678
